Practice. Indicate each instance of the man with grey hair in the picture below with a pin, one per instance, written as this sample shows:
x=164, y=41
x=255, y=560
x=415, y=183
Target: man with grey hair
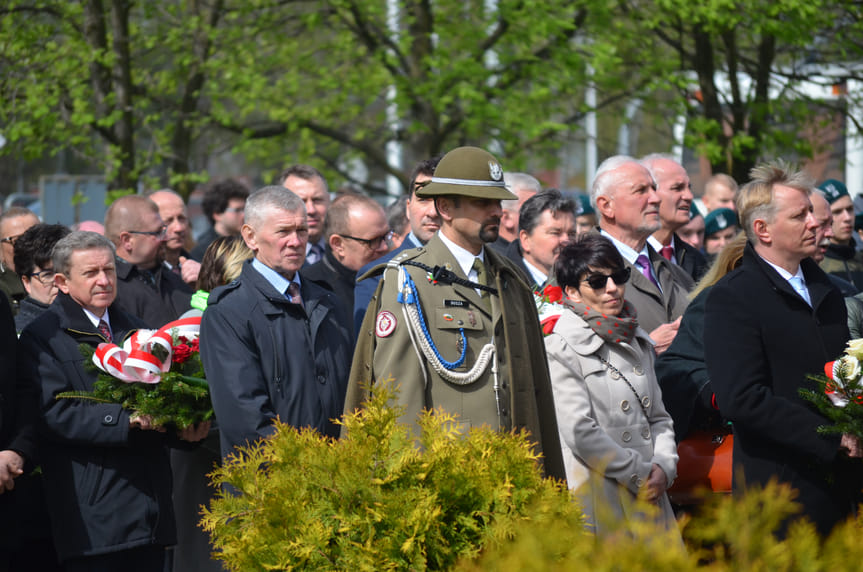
x=274, y=344
x=768, y=325
x=624, y=194
x=121, y=518
x=675, y=205
x=522, y=186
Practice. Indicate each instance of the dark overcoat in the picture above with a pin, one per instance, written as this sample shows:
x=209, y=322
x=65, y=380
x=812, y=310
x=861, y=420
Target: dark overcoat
x=761, y=340
x=108, y=487
x=266, y=357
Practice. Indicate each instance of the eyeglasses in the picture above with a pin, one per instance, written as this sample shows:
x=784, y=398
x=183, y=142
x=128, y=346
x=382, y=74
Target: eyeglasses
x=154, y=233
x=234, y=209
x=46, y=277
x=373, y=243
x=598, y=281
x=11, y=239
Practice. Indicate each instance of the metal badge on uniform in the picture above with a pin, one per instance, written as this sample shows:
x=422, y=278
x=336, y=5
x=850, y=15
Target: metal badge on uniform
x=385, y=324
x=472, y=318
x=495, y=171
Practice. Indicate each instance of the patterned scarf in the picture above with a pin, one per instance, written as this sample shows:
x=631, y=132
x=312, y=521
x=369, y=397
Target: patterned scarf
x=612, y=329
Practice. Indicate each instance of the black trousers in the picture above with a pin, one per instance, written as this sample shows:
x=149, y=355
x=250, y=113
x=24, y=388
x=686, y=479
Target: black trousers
x=143, y=559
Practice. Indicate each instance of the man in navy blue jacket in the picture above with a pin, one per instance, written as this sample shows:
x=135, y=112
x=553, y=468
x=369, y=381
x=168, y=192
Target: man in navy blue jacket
x=274, y=344
x=106, y=469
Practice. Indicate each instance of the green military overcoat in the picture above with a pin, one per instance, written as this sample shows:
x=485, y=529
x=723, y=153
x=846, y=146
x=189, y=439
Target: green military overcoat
x=509, y=320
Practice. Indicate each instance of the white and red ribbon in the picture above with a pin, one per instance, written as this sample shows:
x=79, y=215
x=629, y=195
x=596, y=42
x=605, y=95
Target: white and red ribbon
x=135, y=362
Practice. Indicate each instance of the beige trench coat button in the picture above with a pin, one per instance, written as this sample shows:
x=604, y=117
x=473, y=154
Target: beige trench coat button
x=645, y=433
x=624, y=405
x=626, y=437
x=638, y=370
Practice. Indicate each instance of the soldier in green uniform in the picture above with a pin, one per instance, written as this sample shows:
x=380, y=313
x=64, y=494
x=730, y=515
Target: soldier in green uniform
x=452, y=322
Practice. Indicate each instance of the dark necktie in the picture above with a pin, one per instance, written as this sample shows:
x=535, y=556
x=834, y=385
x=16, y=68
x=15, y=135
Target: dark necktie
x=294, y=293
x=105, y=331
x=315, y=253
x=667, y=252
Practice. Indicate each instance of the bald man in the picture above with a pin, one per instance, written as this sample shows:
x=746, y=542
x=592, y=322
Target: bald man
x=172, y=209
x=145, y=287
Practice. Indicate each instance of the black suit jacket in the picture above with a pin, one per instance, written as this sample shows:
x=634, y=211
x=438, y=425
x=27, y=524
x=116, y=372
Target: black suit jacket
x=761, y=339
x=690, y=259
x=156, y=304
x=514, y=253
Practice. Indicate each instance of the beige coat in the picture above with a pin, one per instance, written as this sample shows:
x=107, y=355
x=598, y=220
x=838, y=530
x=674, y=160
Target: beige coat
x=606, y=436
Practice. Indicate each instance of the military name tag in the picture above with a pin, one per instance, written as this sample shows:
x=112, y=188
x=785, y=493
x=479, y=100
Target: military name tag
x=385, y=324
x=456, y=304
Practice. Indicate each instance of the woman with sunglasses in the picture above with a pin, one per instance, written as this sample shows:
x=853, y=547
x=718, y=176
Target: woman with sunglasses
x=617, y=438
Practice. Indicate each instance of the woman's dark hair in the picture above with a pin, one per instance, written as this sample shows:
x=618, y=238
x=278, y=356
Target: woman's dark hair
x=587, y=250
x=36, y=246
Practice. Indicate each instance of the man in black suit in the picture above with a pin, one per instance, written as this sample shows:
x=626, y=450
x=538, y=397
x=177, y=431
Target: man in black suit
x=146, y=288
x=768, y=324
x=546, y=223
x=675, y=203
x=106, y=469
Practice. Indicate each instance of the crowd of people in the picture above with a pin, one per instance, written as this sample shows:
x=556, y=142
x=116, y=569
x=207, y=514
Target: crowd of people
x=676, y=313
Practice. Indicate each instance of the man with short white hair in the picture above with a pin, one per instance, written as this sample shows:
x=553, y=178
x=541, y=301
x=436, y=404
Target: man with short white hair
x=523, y=186
x=675, y=205
x=624, y=194
x=273, y=344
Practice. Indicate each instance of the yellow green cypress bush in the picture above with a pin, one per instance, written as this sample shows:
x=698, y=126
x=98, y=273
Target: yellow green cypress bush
x=381, y=498
x=385, y=499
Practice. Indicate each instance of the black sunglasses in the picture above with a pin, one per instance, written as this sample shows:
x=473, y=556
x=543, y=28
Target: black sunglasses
x=598, y=281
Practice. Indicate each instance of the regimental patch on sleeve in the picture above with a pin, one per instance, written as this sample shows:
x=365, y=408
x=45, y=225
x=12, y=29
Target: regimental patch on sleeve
x=385, y=324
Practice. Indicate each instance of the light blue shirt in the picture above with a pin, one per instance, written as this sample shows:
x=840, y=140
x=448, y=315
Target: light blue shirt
x=279, y=282
x=787, y=276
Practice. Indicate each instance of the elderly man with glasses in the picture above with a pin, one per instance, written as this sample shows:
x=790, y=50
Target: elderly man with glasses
x=145, y=287
x=356, y=231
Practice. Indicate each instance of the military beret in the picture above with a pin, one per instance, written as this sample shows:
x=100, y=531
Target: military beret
x=468, y=172
x=583, y=206
x=833, y=190
x=719, y=219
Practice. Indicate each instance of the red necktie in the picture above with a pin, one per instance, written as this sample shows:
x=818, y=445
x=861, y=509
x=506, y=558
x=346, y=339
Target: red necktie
x=105, y=330
x=667, y=252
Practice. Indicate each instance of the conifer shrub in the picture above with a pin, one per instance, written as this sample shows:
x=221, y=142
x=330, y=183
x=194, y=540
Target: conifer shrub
x=381, y=498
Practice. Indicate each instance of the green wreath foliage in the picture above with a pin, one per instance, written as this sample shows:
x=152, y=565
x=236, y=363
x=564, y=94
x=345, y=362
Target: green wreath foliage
x=180, y=399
